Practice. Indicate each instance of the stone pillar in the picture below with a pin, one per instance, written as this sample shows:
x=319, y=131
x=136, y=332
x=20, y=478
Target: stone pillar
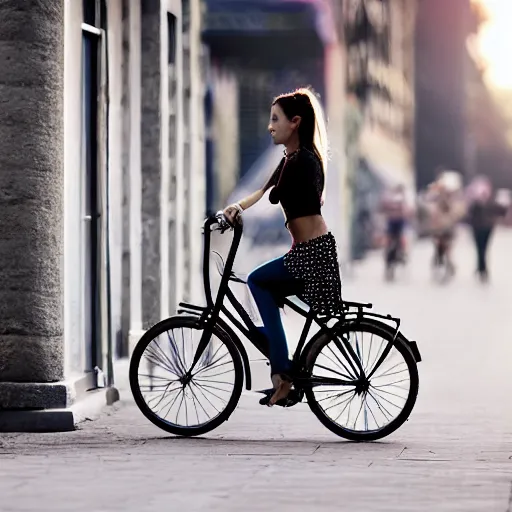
x=135, y=195
x=126, y=262
x=31, y=208
x=197, y=161
x=151, y=160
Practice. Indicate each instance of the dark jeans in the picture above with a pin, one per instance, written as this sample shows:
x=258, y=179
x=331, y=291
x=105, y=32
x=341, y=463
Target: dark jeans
x=264, y=282
x=396, y=227
x=482, y=237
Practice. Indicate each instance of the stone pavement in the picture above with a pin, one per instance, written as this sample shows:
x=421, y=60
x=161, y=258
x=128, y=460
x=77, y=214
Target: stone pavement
x=453, y=455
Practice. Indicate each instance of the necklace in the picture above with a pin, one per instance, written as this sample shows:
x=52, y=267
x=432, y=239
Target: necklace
x=290, y=155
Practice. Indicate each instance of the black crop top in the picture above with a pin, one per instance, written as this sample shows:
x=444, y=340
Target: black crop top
x=298, y=183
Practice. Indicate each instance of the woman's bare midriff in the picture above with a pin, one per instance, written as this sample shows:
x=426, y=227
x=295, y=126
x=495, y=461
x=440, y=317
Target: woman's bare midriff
x=303, y=229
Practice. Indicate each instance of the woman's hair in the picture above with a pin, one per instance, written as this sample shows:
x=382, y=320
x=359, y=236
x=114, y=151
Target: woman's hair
x=304, y=102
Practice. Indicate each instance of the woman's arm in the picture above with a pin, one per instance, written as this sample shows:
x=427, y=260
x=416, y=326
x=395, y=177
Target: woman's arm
x=233, y=210
x=251, y=200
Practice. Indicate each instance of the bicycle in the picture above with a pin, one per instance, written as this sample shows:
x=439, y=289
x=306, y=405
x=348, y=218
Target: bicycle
x=442, y=268
x=206, y=375
x=393, y=255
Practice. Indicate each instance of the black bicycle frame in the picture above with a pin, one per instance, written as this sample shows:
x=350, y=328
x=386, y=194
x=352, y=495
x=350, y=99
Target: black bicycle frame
x=210, y=314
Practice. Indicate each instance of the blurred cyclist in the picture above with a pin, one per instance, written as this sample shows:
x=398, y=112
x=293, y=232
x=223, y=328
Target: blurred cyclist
x=445, y=211
x=395, y=209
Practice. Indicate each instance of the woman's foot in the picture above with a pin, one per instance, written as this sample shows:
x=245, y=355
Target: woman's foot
x=282, y=386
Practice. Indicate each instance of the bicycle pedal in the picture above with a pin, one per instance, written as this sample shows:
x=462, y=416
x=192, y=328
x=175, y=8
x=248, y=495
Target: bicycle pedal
x=264, y=391
x=293, y=398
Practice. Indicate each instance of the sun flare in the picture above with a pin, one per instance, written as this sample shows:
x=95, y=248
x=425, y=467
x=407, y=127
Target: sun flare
x=494, y=42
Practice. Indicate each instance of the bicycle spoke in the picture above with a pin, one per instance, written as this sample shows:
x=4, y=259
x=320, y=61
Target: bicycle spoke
x=157, y=377
x=358, y=351
x=344, y=408
x=153, y=388
x=334, y=371
x=350, y=376
x=194, y=402
x=170, y=406
x=206, y=356
x=377, y=356
x=393, y=367
x=381, y=407
x=176, y=352
x=232, y=370
x=211, y=368
x=336, y=396
x=155, y=359
x=393, y=384
x=166, y=391
x=389, y=393
x=198, y=401
x=362, y=349
x=369, y=352
x=214, y=387
x=175, y=364
x=386, y=400
x=382, y=358
x=181, y=403
x=389, y=374
x=195, y=384
x=340, y=402
x=373, y=415
x=207, y=388
x=359, y=412
x=341, y=363
x=215, y=381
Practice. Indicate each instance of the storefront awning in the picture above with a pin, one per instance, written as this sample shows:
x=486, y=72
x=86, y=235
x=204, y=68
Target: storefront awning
x=287, y=21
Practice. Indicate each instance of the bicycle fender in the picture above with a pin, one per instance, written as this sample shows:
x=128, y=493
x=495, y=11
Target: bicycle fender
x=411, y=345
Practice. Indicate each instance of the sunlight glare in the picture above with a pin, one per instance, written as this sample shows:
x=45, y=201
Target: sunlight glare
x=494, y=42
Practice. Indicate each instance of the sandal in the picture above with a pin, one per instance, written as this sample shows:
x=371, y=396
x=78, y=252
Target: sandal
x=282, y=386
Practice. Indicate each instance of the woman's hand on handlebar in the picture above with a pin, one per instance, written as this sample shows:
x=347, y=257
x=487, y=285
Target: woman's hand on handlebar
x=232, y=212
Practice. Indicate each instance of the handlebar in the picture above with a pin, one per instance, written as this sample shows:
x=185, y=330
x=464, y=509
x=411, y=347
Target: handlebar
x=222, y=224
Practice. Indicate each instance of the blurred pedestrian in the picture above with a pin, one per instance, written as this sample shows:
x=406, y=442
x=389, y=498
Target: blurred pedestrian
x=483, y=213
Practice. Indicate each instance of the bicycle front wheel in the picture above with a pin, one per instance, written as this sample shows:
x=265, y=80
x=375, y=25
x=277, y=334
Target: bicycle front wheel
x=361, y=409
x=158, y=377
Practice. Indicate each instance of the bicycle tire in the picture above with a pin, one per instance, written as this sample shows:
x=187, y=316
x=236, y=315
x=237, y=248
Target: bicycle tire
x=312, y=351
x=193, y=323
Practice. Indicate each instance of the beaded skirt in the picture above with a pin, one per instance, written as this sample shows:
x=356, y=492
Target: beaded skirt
x=315, y=262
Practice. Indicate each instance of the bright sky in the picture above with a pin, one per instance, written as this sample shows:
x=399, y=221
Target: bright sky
x=494, y=42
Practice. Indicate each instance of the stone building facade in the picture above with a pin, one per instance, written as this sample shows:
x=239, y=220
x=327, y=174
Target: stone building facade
x=103, y=186
x=379, y=36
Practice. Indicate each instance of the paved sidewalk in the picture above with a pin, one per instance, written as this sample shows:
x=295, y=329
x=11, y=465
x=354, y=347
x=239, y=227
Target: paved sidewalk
x=453, y=455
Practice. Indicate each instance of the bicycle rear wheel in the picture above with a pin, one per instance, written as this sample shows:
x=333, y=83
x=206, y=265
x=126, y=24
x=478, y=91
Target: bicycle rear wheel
x=177, y=404
x=362, y=411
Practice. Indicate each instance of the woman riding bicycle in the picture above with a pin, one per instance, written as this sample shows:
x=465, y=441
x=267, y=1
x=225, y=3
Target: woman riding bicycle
x=298, y=183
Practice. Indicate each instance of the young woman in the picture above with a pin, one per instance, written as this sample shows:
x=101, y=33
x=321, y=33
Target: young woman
x=297, y=122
